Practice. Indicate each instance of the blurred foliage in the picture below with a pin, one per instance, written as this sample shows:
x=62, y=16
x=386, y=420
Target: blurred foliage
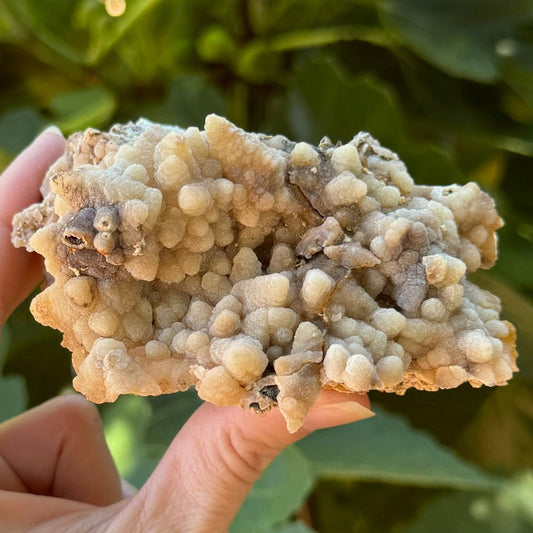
x=448, y=84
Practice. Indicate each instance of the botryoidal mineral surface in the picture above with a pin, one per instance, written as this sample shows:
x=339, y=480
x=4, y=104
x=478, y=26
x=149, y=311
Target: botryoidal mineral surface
x=261, y=270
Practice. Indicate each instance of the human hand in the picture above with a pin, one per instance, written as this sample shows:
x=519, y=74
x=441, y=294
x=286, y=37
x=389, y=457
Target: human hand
x=56, y=473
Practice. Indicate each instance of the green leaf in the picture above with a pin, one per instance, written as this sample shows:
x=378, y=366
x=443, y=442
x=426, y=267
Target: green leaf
x=50, y=24
x=291, y=527
x=12, y=397
x=329, y=102
x=325, y=100
x=315, y=37
x=189, y=100
x=10, y=29
x=107, y=31
x=518, y=73
x=276, y=495
x=139, y=430
x=5, y=159
x=215, y=45
x=385, y=448
x=274, y=18
x=5, y=339
x=169, y=413
x=500, y=436
x=515, y=256
x=18, y=128
x=77, y=110
x=507, y=510
x=358, y=506
x=460, y=37
x=12, y=393
x=268, y=17
x=144, y=465
x=258, y=63
x=125, y=424
x=36, y=355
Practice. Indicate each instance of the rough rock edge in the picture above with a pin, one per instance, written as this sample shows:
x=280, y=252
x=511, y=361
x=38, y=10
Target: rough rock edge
x=260, y=270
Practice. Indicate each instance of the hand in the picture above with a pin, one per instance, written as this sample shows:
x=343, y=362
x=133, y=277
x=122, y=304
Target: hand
x=56, y=473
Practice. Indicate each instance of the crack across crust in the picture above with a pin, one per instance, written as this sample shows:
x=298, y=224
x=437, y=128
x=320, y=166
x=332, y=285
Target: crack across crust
x=261, y=270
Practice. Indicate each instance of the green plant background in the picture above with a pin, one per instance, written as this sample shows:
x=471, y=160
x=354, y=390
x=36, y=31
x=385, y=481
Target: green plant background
x=448, y=84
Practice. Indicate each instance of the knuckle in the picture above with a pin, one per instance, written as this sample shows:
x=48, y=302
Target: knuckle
x=245, y=456
x=76, y=411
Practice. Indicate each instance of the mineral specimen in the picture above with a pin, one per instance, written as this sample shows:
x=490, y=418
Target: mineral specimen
x=260, y=270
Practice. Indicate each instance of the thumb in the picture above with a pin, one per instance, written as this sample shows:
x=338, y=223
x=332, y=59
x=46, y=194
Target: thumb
x=211, y=465
x=19, y=187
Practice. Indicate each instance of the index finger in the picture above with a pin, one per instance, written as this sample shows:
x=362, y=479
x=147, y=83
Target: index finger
x=19, y=188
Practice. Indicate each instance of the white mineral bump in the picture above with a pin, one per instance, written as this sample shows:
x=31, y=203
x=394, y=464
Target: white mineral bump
x=346, y=158
x=390, y=370
x=244, y=360
x=157, y=350
x=390, y=321
x=335, y=362
x=475, y=345
x=194, y=200
x=346, y=189
x=316, y=287
x=103, y=323
x=358, y=373
x=304, y=155
x=80, y=290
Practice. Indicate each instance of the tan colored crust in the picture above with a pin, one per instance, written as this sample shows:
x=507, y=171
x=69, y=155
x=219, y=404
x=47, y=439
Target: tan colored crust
x=260, y=270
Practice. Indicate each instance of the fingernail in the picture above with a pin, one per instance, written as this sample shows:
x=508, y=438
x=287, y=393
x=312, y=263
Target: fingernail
x=336, y=414
x=51, y=129
x=349, y=409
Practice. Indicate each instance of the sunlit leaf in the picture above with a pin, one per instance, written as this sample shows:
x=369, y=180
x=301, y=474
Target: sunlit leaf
x=139, y=430
x=10, y=29
x=106, y=30
x=258, y=63
x=125, y=423
x=315, y=37
x=215, y=45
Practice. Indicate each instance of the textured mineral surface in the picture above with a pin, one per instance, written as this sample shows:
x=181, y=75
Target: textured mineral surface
x=261, y=270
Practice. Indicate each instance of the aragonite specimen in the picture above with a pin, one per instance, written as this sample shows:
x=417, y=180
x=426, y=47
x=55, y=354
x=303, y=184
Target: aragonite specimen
x=260, y=270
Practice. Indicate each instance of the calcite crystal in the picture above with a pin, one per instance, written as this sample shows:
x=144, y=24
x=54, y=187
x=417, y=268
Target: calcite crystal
x=261, y=270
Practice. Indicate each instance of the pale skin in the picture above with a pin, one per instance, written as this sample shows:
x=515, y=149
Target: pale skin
x=56, y=472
